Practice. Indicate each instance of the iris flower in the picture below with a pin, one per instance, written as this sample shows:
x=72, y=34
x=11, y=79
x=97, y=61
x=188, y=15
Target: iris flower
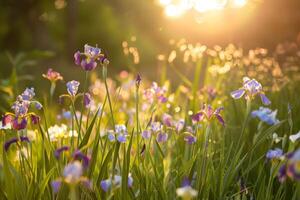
x=107, y=183
x=250, y=89
x=89, y=58
x=186, y=192
x=266, y=115
x=72, y=174
x=19, y=118
x=209, y=113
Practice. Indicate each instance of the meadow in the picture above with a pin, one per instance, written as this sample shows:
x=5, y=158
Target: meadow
x=224, y=126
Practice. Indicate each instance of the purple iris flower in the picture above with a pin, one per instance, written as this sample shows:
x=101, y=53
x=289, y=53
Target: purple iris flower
x=162, y=137
x=107, y=183
x=78, y=155
x=28, y=94
x=19, y=125
x=89, y=58
x=15, y=140
x=58, y=151
x=208, y=113
x=72, y=87
x=190, y=139
x=282, y=173
x=266, y=115
x=56, y=185
x=20, y=107
x=38, y=105
x=34, y=119
x=146, y=134
x=167, y=119
x=251, y=88
x=274, y=154
x=87, y=99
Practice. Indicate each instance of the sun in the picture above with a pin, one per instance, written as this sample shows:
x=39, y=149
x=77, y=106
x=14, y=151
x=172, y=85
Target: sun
x=176, y=8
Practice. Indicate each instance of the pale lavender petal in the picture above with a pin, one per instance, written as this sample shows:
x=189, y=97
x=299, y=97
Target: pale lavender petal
x=237, y=93
x=265, y=99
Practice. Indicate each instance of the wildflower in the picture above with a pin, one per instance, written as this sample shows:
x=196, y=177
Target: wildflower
x=293, y=166
x=89, y=58
x=179, y=125
x=274, y=154
x=156, y=93
x=295, y=137
x=190, y=138
x=266, y=115
x=186, y=192
x=52, y=75
x=60, y=132
x=28, y=94
x=15, y=140
x=107, y=183
x=146, y=134
x=56, y=185
x=208, y=113
x=19, y=124
x=78, y=155
x=87, y=99
x=72, y=87
x=120, y=133
x=156, y=127
x=58, y=151
x=282, y=173
x=251, y=88
x=72, y=174
x=162, y=137
x=167, y=119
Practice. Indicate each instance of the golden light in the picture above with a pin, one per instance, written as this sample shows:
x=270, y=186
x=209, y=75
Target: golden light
x=176, y=8
x=239, y=3
x=173, y=11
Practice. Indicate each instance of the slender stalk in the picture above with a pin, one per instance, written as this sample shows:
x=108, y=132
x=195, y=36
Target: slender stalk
x=82, y=106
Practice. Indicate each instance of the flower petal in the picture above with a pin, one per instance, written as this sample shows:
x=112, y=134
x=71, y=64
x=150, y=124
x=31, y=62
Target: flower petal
x=237, y=93
x=264, y=99
x=220, y=118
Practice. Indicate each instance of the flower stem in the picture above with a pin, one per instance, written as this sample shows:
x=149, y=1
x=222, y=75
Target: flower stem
x=82, y=106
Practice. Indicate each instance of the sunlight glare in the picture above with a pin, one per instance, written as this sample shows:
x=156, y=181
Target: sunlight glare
x=239, y=3
x=177, y=8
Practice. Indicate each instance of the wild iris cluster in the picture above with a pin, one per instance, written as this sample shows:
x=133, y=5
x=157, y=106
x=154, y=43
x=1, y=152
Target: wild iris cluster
x=19, y=119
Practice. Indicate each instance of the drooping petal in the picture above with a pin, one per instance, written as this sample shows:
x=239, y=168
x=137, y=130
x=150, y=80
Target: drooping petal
x=264, y=99
x=78, y=155
x=105, y=184
x=56, y=185
x=272, y=154
x=34, y=119
x=19, y=125
x=220, y=119
x=77, y=58
x=237, y=93
x=88, y=65
x=146, y=134
x=198, y=116
x=121, y=138
x=87, y=99
x=58, y=151
x=162, y=137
